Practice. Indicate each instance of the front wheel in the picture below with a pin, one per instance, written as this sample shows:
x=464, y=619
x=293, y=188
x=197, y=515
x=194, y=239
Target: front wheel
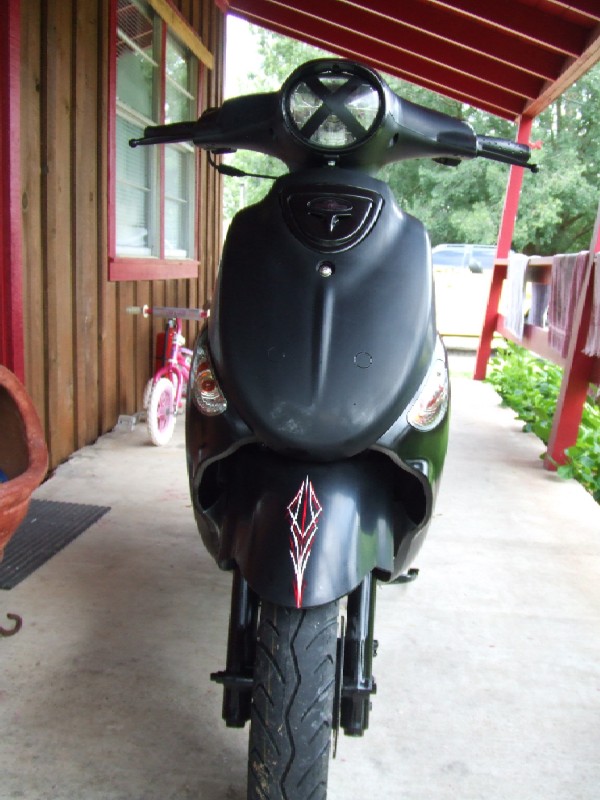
x=160, y=416
x=292, y=703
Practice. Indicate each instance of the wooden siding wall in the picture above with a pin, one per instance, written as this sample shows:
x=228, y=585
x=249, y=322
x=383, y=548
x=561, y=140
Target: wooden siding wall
x=86, y=360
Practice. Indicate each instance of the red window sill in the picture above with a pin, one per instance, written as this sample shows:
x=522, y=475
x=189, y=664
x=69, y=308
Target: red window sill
x=151, y=269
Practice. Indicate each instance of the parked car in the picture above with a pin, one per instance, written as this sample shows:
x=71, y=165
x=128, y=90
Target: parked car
x=476, y=257
x=462, y=274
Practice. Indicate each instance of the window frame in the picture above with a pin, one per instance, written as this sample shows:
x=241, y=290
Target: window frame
x=136, y=268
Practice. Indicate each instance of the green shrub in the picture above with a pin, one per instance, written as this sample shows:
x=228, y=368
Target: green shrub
x=530, y=386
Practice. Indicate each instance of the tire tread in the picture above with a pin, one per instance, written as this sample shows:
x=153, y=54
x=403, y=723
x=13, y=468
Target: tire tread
x=292, y=703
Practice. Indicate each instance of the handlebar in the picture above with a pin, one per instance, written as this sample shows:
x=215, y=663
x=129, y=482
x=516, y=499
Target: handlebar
x=169, y=312
x=267, y=123
x=493, y=148
x=506, y=151
x=167, y=134
x=143, y=310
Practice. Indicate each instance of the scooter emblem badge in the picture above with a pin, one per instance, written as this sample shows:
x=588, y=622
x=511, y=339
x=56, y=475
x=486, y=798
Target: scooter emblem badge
x=303, y=512
x=329, y=209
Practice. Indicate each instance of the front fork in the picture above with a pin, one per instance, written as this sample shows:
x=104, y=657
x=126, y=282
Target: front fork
x=237, y=677
x=355, y=651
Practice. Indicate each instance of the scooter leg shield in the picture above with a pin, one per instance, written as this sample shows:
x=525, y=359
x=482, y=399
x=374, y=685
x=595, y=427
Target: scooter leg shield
x=306, y=533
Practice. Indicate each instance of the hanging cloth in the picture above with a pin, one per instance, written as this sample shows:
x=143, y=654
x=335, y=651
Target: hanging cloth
x=515, y=279
x=592, y=345
x=568, y=271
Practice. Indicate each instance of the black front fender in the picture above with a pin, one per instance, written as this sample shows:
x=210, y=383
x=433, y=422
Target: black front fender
x=306, y=533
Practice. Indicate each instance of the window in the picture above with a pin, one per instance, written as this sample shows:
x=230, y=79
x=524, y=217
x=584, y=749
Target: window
x=153, y=189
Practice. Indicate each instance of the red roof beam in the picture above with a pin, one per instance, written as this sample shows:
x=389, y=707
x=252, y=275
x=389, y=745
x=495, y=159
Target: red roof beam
x=409, y=40
x=442, y=41
x=572, y=71
x=569, y=8
x=528, y=23
x=351, y=45
x=437, y=35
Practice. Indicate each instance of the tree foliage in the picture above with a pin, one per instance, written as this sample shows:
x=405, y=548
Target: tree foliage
x=464, y=204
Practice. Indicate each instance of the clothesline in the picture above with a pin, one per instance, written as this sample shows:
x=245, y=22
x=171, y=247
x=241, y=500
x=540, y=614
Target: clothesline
x=556, y=303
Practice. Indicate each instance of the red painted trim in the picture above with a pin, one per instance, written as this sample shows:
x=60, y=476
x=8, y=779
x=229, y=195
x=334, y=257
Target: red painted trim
x=12, y=351
x=112, y=133
x=162, y=95
x=4, y=192
x=222, y=5
x=151, y=269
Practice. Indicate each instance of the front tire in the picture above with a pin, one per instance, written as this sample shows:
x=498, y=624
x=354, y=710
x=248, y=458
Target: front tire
x=292, y=703
x=160, y=416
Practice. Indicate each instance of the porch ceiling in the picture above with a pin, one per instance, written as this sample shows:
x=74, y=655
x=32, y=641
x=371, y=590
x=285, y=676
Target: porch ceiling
x=510, y=58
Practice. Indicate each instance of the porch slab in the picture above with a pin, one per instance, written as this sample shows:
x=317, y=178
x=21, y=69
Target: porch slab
x=488, y=669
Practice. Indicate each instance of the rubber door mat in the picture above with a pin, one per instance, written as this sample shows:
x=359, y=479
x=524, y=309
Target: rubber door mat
x=48, y=527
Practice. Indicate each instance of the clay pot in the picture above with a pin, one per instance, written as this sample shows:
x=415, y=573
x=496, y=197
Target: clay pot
x=23, y=453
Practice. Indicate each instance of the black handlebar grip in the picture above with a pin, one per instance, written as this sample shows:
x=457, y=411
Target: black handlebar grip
x=167, y=134
x=504, y=148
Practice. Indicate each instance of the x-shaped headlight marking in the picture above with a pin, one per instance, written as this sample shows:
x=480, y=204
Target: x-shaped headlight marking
x=334, y=102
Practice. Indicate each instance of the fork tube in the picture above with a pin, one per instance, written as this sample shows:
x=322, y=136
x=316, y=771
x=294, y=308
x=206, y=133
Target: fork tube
x=358, y=682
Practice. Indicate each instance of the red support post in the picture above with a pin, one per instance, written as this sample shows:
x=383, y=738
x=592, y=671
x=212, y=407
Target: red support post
x=505, y=234
x=11, y=282
x=490, y=322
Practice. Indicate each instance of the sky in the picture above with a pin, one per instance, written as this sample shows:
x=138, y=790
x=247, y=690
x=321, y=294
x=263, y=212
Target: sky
x=241, y=56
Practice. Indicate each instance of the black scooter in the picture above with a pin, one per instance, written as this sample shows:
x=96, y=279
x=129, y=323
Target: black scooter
x=317, y=416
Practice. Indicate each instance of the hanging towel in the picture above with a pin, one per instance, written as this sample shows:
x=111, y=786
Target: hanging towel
x=517, y=264
x=592, y=346
x=540, y=297
x=568, y=270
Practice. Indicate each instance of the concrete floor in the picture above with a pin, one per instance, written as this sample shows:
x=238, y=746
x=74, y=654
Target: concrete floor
x=488, y=667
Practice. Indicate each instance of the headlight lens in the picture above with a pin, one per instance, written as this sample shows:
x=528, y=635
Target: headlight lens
x=334, y=107
x=431, y=403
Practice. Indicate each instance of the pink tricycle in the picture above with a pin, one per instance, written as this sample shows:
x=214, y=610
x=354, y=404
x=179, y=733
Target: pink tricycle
x=164, y=392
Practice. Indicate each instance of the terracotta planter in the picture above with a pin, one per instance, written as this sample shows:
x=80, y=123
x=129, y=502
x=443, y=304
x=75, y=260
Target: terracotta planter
x=23, y=453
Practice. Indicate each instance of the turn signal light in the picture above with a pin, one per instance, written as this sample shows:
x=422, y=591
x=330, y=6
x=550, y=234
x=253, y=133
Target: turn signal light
x=206, y=392
x=431, y=403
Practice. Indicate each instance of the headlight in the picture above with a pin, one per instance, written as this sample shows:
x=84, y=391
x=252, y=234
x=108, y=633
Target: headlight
x=431, y=403
x=333, y=105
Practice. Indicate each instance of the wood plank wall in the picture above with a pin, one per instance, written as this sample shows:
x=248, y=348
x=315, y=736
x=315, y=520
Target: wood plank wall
x=86, y=361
